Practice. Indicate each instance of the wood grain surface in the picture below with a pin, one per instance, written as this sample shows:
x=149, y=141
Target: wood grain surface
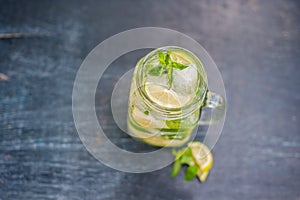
x=256, y=45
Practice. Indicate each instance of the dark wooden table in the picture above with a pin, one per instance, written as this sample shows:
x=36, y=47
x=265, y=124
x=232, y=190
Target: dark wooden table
x=256, y=45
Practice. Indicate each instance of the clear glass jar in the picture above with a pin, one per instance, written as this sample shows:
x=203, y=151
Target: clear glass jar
x=168, y=90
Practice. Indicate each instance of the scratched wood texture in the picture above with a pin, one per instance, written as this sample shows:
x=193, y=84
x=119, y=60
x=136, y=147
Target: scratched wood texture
x=256, y=45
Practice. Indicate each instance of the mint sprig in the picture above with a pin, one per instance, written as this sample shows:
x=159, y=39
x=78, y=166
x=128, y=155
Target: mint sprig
x=184, y=157
x=166, y=67
x=191, y=172
x=157, y=71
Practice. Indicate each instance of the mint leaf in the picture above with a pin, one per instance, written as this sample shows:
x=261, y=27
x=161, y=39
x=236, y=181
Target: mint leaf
x=184, y=156
x=167, y=58
x=174, y=124
x=186, y=160
x=174, y=152
x=157, y=71
x=170, y=77
x=188, y=152
x=187, y=156
x=146, y=112
x=176, y=168
x=178, y=154
x=161, y=58
x=179, y=66
x=166, y=67
x=191, y=172
x=180, y=124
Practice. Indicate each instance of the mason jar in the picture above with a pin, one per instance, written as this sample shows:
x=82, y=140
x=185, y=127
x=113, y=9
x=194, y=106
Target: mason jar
x=167, y=94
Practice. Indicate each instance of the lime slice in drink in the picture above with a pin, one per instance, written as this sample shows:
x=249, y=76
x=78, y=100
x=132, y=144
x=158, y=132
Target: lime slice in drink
x=145, y=119
x=164, y=97
x=140, y=118
x=180, y=58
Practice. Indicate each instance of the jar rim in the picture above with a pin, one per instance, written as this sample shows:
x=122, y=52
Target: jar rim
x=198, y=99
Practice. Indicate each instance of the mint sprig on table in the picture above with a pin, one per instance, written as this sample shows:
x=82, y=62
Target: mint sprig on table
x=199, y=159
x=184, y=157
x=166, y=67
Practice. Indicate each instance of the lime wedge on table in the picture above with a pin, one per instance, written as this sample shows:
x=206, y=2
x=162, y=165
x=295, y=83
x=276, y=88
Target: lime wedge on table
x=203, y=158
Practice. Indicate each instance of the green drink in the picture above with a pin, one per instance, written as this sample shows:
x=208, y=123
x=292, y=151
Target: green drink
x=168, y=90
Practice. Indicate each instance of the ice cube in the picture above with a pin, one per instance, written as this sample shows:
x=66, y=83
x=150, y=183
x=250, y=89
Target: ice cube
x=185, y=81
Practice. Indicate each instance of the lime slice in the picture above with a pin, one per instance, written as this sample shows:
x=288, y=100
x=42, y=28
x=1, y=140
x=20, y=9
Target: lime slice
x=145, y=119
x=202, y=175
x=202, y=155
x=164, y=97
x=140, y=118
x=203, y=158
x=179, y=58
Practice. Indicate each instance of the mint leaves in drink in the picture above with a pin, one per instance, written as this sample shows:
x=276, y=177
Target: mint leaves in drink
x=166, y=67
x=157, y=71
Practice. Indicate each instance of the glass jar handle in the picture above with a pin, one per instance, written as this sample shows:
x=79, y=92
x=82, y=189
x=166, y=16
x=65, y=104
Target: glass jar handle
x=216, y=104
